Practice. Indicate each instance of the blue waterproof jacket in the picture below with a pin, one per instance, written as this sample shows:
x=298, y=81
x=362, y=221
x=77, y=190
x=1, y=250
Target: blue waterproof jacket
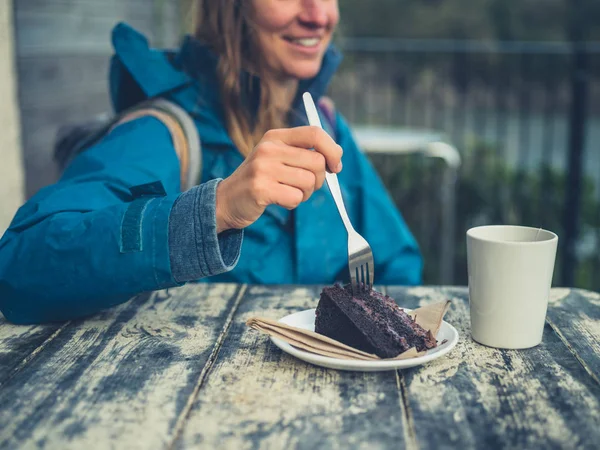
x=117, y=223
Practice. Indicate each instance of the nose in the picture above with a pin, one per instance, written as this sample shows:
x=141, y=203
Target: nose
x=314, y=13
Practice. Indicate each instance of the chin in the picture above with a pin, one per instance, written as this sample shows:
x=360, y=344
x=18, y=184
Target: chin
x=305, y=71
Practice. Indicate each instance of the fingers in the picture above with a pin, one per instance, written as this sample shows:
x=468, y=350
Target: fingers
x=283, y=171
x=304, y=180
x=270, y=157
x=300, y=158
x=309, y=138
x=287, y=196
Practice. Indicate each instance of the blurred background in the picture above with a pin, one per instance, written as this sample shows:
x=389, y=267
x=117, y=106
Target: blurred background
x=473, y=112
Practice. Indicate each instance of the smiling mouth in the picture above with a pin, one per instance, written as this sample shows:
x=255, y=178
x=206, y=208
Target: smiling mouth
x=305, y=42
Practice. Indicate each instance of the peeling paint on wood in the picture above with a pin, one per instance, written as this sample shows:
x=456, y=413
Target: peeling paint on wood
x=259, y=397
x=20, y=344
x=120, y=379
x=575, y=317
x=480, y=397
x=179, y=369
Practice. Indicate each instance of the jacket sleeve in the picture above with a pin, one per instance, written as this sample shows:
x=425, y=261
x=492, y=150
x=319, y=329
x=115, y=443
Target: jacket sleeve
x=395, y=250
x=115, y=225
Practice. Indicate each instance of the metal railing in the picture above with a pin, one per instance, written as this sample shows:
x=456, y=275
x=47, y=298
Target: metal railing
x=399, y=142
x=525, y=117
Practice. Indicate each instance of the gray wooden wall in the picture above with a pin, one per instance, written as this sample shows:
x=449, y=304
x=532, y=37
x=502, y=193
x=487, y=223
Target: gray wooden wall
x=11, y=171
x=63, y=49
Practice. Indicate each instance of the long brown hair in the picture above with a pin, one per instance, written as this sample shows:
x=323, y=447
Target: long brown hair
x=226, y=26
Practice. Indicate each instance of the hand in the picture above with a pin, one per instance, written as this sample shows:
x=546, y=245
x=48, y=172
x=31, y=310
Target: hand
x=280, y=170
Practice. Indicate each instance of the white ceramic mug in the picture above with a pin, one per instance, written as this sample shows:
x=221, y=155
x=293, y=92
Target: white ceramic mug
x=510, y=275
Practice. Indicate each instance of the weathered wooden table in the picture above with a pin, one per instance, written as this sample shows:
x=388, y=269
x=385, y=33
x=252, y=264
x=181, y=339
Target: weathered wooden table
x=179, y=369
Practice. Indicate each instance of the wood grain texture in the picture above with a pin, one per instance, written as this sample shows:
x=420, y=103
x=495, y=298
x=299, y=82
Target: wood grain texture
x=63, y=49
x=84, y=26
x=256, y=396
x=180, y=369
x=11, y=170
x=121, y=379
x=20, y=344
x=575, y=317
x=479, y=397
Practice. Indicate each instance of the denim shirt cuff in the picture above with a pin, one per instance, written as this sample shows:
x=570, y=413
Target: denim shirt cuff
x=195, y=249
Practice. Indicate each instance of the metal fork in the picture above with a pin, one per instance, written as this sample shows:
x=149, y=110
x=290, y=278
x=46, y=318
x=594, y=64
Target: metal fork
x=360, y=256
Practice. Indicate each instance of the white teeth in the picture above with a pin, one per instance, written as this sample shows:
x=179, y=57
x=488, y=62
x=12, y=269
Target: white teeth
x=308, y=42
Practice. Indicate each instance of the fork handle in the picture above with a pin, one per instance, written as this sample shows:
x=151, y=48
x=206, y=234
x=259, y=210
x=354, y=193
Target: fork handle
x=336, y=192
x=331, y=178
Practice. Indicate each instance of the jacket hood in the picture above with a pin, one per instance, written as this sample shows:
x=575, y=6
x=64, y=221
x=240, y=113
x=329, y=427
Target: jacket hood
x=138, y=72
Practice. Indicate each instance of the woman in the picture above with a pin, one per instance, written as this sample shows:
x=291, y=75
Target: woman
x=89, y=241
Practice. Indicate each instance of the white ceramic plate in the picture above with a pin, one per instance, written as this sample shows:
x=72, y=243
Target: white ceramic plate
x=306, y=319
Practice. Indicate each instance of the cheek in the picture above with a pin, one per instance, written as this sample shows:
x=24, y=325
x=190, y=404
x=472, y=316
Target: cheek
x=271, y=16
x=334, y=16
x=270, y=20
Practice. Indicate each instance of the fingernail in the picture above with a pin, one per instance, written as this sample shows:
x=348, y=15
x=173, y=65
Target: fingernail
x=338, y=168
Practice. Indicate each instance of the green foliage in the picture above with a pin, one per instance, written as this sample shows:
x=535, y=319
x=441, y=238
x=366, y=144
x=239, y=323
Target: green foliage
x=488, y=192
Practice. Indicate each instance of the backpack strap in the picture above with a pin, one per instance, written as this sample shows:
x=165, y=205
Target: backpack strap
x=184, y=135
x=73, y=140
x=327, y=107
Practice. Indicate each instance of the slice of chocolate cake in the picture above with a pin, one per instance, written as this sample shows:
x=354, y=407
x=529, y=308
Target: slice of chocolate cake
x=369, y=321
